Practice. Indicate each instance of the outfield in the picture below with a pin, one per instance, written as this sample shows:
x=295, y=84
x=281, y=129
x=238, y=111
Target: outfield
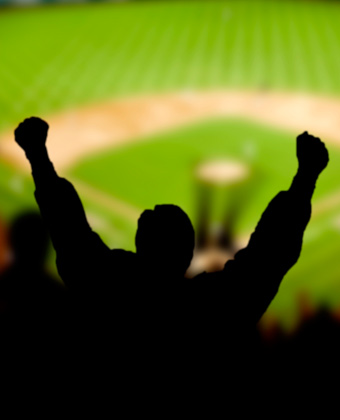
x=61, y=58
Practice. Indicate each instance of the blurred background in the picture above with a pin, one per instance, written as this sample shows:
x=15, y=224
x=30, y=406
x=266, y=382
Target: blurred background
x=195, y=103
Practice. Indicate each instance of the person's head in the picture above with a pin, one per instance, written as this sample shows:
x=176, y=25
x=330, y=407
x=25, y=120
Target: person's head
x=29, y=239
x=165, y=239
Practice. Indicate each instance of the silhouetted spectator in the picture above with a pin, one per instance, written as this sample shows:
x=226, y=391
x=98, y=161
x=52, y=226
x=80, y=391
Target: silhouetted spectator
x=4, y=260
x=143, y=295
x=4, y=248
x=34, y=301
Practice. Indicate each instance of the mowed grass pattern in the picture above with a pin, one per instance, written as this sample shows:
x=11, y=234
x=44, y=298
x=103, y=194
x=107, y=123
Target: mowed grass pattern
x=63, y=56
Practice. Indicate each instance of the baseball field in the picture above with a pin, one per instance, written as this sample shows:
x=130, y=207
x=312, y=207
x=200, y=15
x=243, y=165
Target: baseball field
x=139, y=94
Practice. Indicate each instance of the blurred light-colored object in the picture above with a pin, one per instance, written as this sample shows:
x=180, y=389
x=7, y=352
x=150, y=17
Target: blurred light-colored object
x=222, y=172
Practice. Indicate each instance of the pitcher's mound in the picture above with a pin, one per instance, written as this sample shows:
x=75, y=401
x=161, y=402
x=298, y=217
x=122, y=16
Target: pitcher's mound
x=222, y=172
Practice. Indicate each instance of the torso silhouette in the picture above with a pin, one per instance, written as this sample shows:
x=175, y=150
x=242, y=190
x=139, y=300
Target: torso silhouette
x=135, y=306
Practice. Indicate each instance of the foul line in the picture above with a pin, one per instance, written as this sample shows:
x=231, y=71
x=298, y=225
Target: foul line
x=126, y=211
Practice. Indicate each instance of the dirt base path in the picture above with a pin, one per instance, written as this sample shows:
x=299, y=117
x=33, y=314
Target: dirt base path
x=79, y=133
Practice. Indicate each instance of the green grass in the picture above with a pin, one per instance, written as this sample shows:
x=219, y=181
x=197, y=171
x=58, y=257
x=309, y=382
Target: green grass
x=160, y=169
x=16, y=192
x=61, y=56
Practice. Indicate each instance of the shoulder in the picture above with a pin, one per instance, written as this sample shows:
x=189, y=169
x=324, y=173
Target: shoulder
x=121, y=253
x=210, y=280
x=126, y=260
x=215, y=275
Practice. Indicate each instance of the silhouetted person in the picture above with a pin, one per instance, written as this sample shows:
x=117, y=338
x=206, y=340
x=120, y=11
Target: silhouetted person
x=136, y=290
x=4, y=248
x=34, y=302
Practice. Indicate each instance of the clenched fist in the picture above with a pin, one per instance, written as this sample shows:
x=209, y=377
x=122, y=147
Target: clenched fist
x=311, y=153
x=31, y=135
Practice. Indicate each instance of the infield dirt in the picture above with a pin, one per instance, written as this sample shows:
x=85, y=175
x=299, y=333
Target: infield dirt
x=78, y=133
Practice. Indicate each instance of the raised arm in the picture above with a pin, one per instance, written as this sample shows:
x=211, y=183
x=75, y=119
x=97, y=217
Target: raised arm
x=59, y=204
x=275, y=245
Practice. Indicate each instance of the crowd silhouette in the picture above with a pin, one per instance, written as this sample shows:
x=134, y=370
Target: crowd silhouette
x=135, y=312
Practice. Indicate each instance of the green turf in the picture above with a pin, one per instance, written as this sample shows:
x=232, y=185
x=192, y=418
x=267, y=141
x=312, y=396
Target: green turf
x=159, y=170
x=16, y=192
x=62, y=56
